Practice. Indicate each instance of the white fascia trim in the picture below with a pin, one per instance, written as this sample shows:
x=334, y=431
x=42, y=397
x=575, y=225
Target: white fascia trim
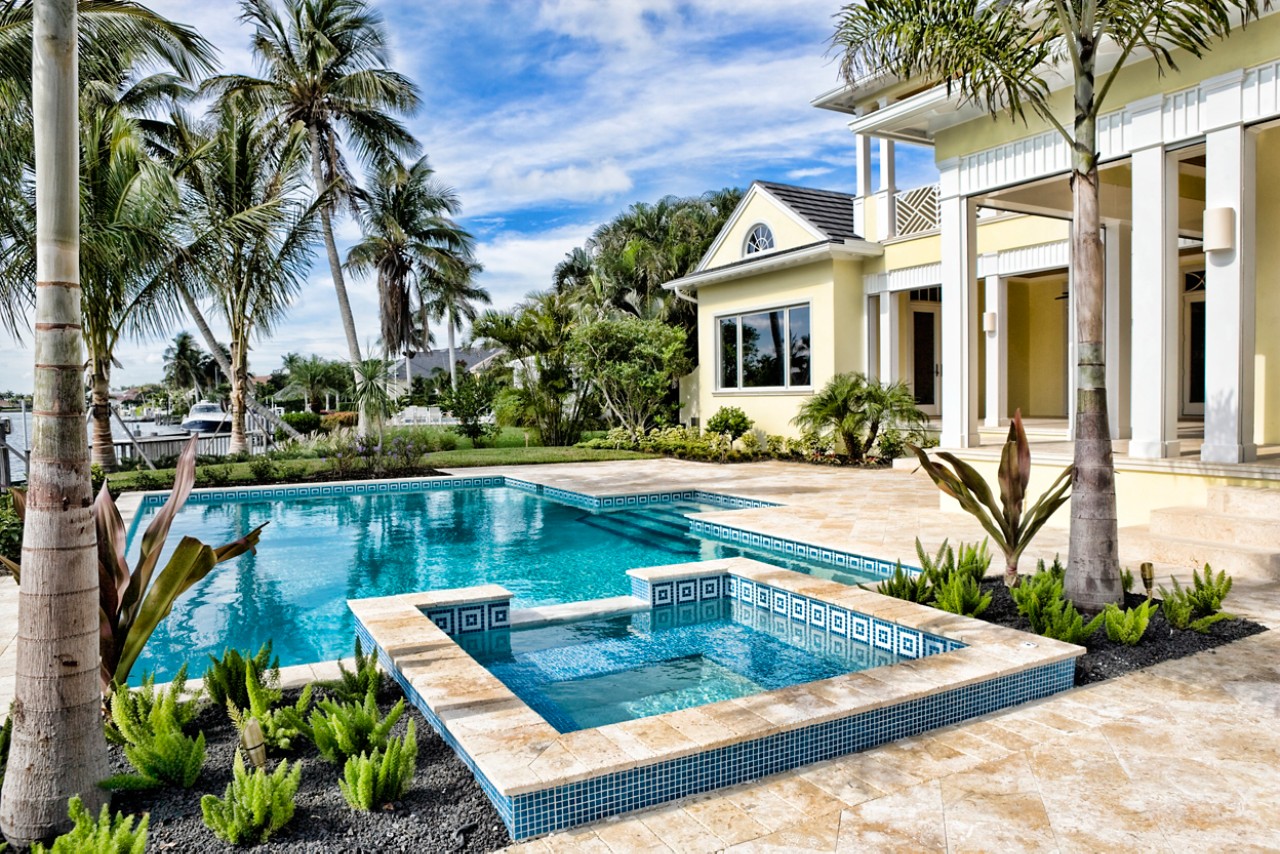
x=756, y=190
x=850, y=249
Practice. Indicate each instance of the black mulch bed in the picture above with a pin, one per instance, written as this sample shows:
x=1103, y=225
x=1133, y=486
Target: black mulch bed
x=1106, y=660
x=444, y=811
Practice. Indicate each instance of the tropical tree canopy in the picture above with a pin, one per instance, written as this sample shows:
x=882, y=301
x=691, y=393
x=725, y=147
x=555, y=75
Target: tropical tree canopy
x=856, y=409
x=1007, y=57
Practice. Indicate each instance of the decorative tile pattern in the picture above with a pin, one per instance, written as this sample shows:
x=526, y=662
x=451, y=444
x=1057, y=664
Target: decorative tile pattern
x=472, y=617
x=875, y=567
x=323, y=490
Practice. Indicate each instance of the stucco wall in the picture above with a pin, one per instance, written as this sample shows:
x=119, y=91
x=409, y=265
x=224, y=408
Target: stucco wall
x=1038, y=348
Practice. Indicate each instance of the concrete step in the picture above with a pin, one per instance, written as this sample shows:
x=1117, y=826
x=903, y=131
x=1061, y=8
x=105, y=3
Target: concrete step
x=1196, y=523
x=1254, y=502
x=1139, y=544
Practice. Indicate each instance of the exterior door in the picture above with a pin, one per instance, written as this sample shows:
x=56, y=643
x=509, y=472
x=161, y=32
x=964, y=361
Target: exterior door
x=926, y=370
x=1193, y=352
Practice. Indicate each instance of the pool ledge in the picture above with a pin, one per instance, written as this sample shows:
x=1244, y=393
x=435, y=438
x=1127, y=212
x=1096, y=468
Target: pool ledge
x=542, y=780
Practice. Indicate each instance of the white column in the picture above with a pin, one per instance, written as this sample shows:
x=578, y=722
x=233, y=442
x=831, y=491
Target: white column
x=1119, y=318
x=959, y=321
x=872, y=320
x=1230, y=298
x=889, y=331
x=889, y=186
x=1155, y=305
x=862, y=150
x=997, y=298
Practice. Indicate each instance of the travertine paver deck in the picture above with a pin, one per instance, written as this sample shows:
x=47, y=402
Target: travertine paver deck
x=1182, y=756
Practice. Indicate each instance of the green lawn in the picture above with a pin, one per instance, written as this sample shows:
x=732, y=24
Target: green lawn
x=509, y=453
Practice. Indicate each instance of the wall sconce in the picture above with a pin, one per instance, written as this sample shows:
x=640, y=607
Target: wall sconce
x=1219, y=229
x=988, y=321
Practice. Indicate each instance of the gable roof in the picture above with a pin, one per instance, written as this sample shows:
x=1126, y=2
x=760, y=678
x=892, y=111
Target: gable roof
x=438, y=359
x=827, y=211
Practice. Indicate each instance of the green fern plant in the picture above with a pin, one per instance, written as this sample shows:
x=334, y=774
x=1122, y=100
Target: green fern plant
x=1176, y=607
x=282, y=726
x=6, y=737
x=1208, y=592
x=224, y=680
x=369, y=781
x=352, y=686
x=1199, y=606
x=1129, y=625
x=104, y=835
x=1039, y=598
x=146, y=710
x=166, y=758
x=907, y=585
x=1066, y=624
x=254, y=806
x=341, y=731
x=960, y=594
x=1126, y=579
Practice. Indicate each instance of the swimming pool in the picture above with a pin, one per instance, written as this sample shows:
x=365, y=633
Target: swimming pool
x=592, y=672
x=317, y=552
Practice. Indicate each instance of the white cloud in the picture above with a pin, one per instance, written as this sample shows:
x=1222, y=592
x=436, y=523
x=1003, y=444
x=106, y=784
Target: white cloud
x=574, y=182
x=516, y=264
x=801, y=174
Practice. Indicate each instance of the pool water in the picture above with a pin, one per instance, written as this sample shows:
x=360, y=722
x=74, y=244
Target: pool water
x=318, y=552
x=592, y=672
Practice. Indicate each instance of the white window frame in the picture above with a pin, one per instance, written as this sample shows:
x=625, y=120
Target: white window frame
x=786, y=309
x=746, y=241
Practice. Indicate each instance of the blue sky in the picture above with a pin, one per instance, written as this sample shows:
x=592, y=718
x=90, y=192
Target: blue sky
x=550, y=116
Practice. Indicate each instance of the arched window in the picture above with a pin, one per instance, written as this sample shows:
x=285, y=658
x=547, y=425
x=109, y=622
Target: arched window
x=759, y=240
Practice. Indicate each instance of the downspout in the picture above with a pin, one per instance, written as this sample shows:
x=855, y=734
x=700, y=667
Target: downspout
x=684, y=296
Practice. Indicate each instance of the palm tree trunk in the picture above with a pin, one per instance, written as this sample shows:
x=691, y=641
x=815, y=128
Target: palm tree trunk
x=239, y=382
x=104, y=447
x=1093, y=574
x=58, y=750
x=453, y=359
x=197, y=317
x=335, y=267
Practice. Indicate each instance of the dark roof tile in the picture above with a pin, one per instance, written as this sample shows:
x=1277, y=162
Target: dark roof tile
x=826, y=210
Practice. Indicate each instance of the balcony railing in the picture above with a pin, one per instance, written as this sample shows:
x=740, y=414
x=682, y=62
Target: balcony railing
x=916, y=211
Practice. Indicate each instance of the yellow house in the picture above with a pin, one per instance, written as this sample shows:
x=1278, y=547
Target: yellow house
x=961, y=288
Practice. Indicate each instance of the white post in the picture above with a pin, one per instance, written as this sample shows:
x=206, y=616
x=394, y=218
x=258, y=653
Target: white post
x=1119, y=318
x=862, y=150
x=1155, y=305
x=959, y=378
x=889, y=187
x=1230, y=298
x=889, y=331
x=997, y=298
x=872, y=320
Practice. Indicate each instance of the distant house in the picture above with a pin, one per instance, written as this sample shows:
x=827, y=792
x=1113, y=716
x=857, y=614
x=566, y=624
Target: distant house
x=427, y=364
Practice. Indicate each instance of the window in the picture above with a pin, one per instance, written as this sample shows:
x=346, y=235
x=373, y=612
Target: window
x=765, y=349
x=759, y=240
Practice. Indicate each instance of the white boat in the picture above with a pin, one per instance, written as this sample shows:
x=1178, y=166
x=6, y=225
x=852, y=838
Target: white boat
x=207, y=417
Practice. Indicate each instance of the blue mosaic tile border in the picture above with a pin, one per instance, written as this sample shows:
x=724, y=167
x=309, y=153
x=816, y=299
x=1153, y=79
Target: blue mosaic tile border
x=537, y=813
x=876, y=567
x=324, y=490
x=455, y=620
x=841, y=622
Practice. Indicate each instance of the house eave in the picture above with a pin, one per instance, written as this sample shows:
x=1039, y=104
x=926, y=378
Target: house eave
x=829, y=251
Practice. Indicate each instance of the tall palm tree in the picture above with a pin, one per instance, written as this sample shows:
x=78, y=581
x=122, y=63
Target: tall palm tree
x=324, y=65
x=182, y=363
x=454, y=298
x=410, y=240
x=312, y=378
x=58, y=749
x=247, y=227
x=1004, y=58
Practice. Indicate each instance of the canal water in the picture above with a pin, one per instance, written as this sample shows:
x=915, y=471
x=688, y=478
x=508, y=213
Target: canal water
x=20, y=437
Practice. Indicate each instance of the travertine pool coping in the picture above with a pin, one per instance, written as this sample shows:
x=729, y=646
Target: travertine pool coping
x=516, y=752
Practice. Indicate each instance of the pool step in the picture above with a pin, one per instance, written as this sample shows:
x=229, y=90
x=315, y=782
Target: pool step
x=1248, y=501
x=632, y=527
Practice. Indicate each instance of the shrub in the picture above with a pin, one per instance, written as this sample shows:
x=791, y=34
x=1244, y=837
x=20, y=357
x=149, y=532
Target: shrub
x=1127, y=626
x=335, y=420
x=907, y=585
x=213, y=475
x=1126, y=579
x=144, y=709
x=730, y=420
x=304, y=422
x=341, y=731
x=352, y=686
x=10, y=527
x=472, y=404
x=105, y=835
x=1197, y=607
x=960, y=594
x=972, y=560
x=6, y=737
x=775, y=446
x=263, y=469
x=369, y=781
x=855, y=409
x=149, y=724
x=1039, y=598
x=891, y=445
x=281, y=725
x=254, y=806
x=751, y=444
x=224, y=680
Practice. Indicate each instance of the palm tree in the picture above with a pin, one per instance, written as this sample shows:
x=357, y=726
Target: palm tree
x=1004, y=58
x=311, y=379
x=410, y=240
x=324, y=64
x=248, y=227
x=58, y=749
x=183, y=363
x=454, y=299
x=856, y=409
